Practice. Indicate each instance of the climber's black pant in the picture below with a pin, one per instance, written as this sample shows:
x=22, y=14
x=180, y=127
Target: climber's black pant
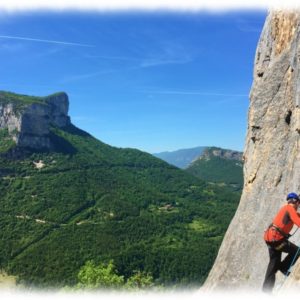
x=275, y=264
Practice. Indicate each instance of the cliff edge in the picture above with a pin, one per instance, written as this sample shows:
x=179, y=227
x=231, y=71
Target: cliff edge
x=271, y=155
x=28, y=119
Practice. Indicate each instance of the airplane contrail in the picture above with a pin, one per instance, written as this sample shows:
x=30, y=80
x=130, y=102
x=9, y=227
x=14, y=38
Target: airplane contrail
x=43, y=41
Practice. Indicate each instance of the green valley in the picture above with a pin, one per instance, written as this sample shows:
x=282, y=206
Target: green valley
x=83, y=200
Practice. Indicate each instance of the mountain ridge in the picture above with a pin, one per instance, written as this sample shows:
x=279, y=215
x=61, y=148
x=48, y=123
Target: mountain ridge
x=182, y=158
x=220, y=166
x=82, y=200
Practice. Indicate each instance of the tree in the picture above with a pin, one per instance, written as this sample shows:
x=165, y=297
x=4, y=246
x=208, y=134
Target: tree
x=140, y=280
x=92, y=276
x=104, y=276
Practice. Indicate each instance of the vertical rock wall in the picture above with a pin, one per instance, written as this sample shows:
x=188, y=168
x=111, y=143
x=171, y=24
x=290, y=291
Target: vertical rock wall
x=30, y=126
x=271, y=154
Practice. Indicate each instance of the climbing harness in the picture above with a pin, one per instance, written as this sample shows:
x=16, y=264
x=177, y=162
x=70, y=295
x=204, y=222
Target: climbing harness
x=285, y=235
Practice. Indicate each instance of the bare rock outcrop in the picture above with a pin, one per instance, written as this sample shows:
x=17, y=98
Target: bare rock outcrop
x=271, y=155
x=222, y=153
x=28, y=119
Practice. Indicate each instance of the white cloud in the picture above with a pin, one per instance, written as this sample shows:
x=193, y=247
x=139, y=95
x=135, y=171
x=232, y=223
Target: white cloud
x=137, y=64
x=246, y=26
x=106, y=57
x=159, y=62
x=76, y=77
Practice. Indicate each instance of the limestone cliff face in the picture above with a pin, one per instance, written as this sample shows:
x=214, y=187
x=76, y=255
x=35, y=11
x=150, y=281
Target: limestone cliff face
x=222, y=153
x=29, y=120
x=271, y=154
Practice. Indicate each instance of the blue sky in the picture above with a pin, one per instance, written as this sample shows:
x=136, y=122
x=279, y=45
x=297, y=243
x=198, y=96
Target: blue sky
x=156, y=81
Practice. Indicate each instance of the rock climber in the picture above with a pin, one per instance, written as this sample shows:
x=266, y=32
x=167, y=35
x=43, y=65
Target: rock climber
x=276, y=238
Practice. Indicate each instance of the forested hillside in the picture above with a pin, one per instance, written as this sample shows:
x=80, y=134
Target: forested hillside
x=86, y=200
x=220, y=166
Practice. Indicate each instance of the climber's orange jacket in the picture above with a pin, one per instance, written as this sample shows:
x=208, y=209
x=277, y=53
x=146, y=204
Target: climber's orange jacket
x=282, y=224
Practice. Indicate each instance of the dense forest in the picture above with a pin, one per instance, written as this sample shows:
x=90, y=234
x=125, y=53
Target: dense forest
x=88, y=201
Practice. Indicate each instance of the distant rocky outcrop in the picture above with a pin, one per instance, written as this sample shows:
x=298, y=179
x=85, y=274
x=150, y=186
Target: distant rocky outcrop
x=221, y=153
x=183, y=158
x=272, y=155
x=29, y=119
x=221, y=166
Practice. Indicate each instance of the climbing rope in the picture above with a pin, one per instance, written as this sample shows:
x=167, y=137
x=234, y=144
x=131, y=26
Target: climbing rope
x=295, y=187
x=289, y=269
x=294, y=231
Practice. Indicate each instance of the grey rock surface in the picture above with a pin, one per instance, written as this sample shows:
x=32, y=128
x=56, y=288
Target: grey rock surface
x=8, y=118
x=59, y=107
x=30, y=125
x=271, y=155
x=222, y=153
